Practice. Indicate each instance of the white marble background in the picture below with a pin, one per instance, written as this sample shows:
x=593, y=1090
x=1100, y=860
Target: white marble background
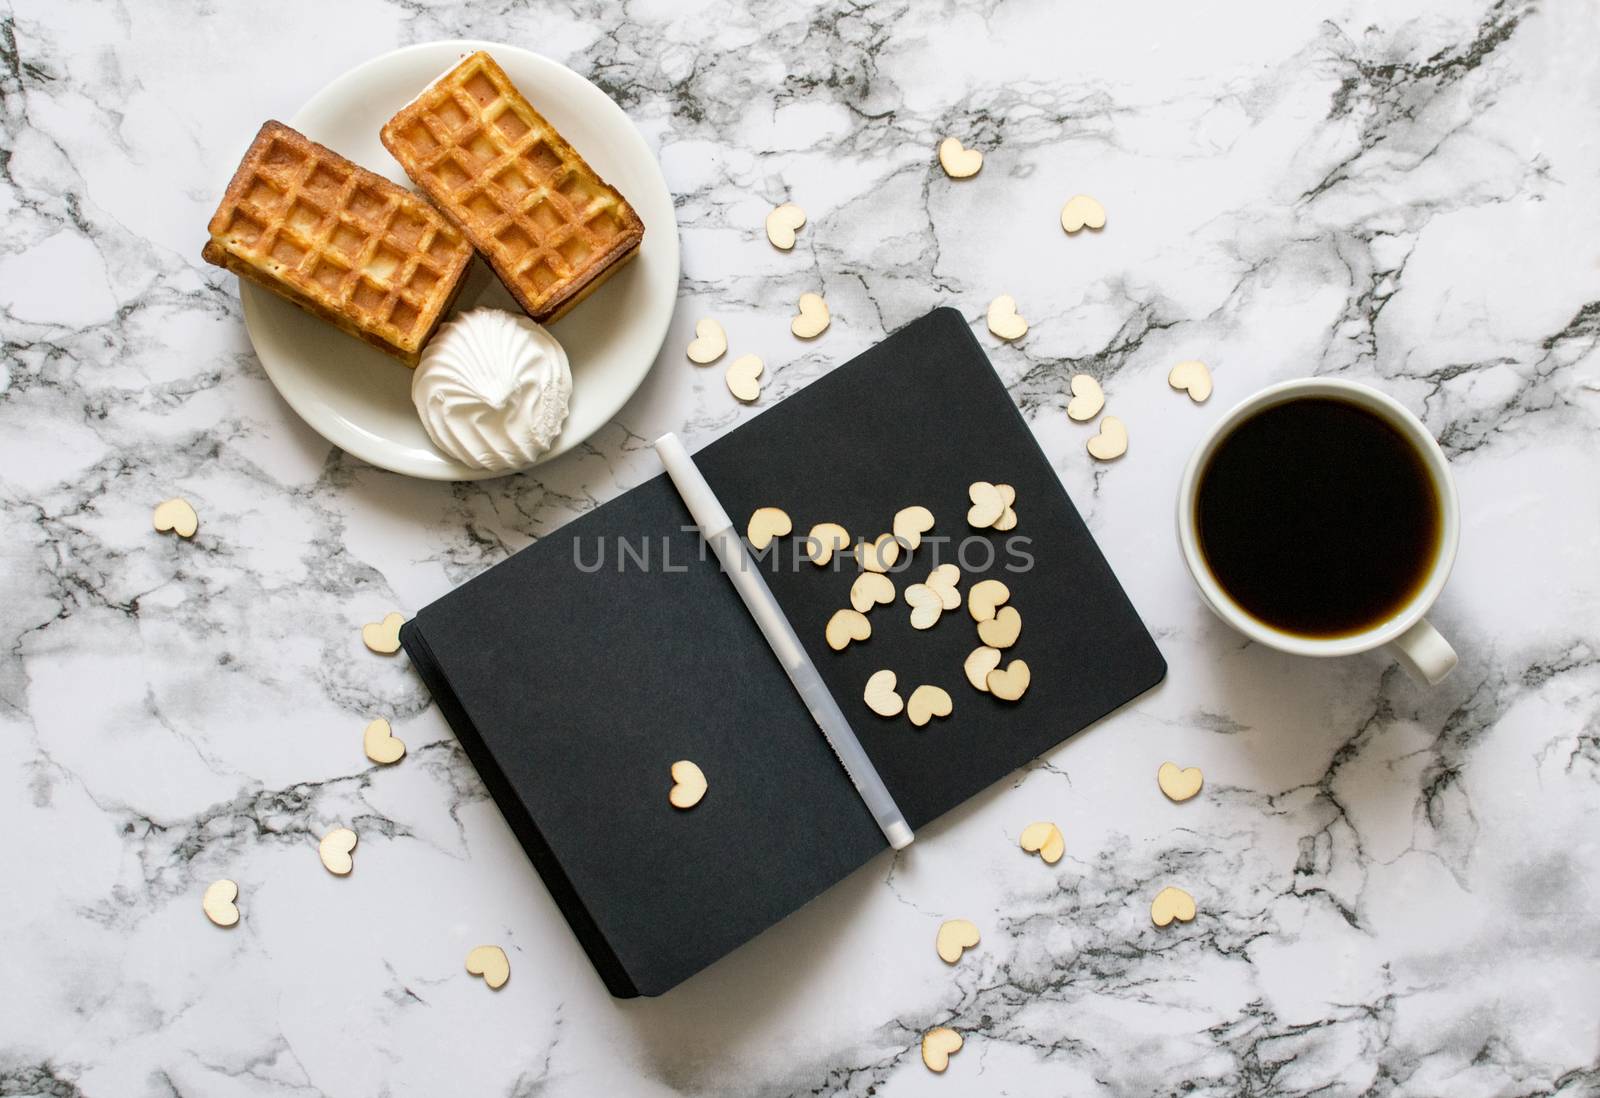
x=1399, y=888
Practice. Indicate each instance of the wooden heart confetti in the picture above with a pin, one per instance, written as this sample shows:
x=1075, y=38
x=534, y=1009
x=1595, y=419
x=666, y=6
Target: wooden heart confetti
x=826, y=539
x=379, y=742
x=765, y=524
x=383, y=636
x=1192, y=377
x=1112, y=441
x=943, y=580
x=490, y=963
x=812, y=319
x=926, y=606
x=743, y=377
x=871, y=589
x=1010, y=684
x=928, y=702
x=1043, y=839
x=1179, y=784
x=175, y=515
x=959, y=162
x=782, y=223
x=217, y=902
x=880, y=554
x=1002, y=630
x=846, y=626
x=910, y=523
x=1171, y=903
x=978, y=665
x=938, y=1045
x=1008, y=517
x=1004, y=320
x=988, y=504
x=985, y=597
x=1087, y=398
x=334, y=850
x=880, y=696
x=688, y=784
x=1082, y=212
x=710, y=342
x=955, y=937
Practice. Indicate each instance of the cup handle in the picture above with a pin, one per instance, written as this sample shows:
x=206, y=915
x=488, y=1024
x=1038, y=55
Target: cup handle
x=1425, y=655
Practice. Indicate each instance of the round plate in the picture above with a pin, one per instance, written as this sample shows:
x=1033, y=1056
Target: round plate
x=359, y=398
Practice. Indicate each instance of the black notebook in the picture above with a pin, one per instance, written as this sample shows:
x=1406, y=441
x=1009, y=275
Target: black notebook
x=577, y=671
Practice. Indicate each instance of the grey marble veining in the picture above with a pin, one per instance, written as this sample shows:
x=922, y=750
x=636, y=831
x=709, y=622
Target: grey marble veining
x=1399, y=888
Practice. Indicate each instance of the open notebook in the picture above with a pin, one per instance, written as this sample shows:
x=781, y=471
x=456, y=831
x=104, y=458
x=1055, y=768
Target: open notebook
x=573, y=688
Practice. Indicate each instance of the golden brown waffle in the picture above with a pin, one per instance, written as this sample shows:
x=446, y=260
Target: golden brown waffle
x=550, y=227
x=338, y=241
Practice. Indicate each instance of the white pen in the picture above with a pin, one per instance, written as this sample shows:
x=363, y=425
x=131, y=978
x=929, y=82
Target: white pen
x=717, y=530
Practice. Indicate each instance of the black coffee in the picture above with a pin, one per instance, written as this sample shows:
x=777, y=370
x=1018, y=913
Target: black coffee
x=1318, y=517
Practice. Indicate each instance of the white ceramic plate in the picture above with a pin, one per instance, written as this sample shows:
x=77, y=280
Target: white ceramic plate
x=359, y=398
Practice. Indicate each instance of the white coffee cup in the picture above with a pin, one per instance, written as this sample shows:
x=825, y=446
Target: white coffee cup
x=1414, y=643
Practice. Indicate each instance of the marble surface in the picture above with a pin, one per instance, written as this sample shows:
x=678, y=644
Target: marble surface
x=1399, y=888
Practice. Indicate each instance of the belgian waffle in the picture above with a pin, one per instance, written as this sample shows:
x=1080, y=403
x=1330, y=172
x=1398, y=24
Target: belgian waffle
x=550, y=227
x=338, y=241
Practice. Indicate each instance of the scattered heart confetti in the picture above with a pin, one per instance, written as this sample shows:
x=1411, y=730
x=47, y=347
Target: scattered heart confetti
x=846, y=626
x=217, y=902
x=782, y=223
x=334, y=850
x=1087, y=398
x=928, y=702
x=176, y=515
x=926, y=606
x=871, y=589
x=988, y=504
x=765, y=524
x=1008, y=517
x=1171, y=903
x=380, y=743
x=943, y=579
x=812, y=319
x=743, y=378
x=1043, y=839
x=1179, y=784
x=956, y=936
x=1010, y=684
x=1002, y=630
x=1004, y=320
x=910, y=523
x=688, y=784
x=710, y=342
x=938, y=1045
x=490, y=963
x=880, y=554
x=978, y=665
x=1192, y=377
x=959, y=162
x=1082, y=212
x=985, y=597
x=826, y=539
x=880, y=696
x=1112, y=441
x=383, y=636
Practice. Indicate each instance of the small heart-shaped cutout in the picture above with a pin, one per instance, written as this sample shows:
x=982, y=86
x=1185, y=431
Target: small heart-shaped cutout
x=1192, y=377
x=1004, y=320
x=910, y=523
x=880, y=695
x=380, y=743
x=383, y=636
x=1002, y=630
x=176, y=515
x=871, y=589
x=1087, y=398
x=988, y=504
x=812, y=319
x=490, y=963
x=765, y=524
x=217, y=902
x=846, y=626
x=782, y=223
x=1112, y=441
x=928, y=702
x=978, y=665
x=926, y=605
x=943, y=580
x=826, y=539
x=1082, y=212
x=959, y=162
x=1010, y=684
x=743, y=378
x=688, y=784
x=1044, y=839
x=334, y=850
x=938, y=1045
x=956, y=936
x=710, y=342
x=984, y=597
x=1179, y=784
x=1171, y=903
x=880, y=554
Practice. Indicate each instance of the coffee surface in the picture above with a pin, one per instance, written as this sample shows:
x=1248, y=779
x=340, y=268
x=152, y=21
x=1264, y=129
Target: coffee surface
x=1318, y=517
